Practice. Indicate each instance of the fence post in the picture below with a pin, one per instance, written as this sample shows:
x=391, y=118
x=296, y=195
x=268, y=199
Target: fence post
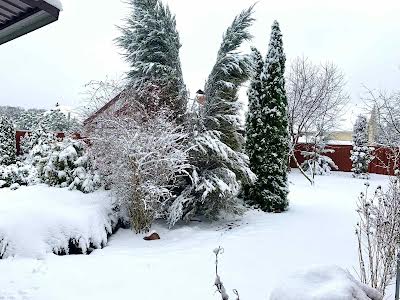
x=397, y=277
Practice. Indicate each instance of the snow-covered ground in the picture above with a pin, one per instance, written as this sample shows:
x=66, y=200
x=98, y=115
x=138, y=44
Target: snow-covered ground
x=37, y=220
x=260, y=250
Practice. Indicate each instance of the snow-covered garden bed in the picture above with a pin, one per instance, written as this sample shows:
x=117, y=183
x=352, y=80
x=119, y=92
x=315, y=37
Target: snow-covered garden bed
x=36, y=220
x=261, y=250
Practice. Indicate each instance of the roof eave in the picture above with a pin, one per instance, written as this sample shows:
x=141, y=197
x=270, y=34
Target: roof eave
x=41, y=15
x=31, y=23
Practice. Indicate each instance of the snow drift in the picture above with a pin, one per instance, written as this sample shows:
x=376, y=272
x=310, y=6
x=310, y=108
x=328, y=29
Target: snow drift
x=36, y=220
x=323, y=283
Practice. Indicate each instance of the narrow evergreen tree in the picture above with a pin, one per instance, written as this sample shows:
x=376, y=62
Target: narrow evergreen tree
x=361, y=155
x=7, y=142
x=151, y=44
x=267, y=132
x=253, y=117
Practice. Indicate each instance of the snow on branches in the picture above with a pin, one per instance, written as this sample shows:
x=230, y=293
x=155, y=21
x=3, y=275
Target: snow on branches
x=143, y=157
x=317, y=163
x=60, y=162
x=7, y=141
x=267, y=136
x=377, y=234
x=361, y=155
x=220, y=166
x=151, y=43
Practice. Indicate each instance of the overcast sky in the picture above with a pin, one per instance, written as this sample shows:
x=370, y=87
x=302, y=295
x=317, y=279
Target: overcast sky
x=52, y=64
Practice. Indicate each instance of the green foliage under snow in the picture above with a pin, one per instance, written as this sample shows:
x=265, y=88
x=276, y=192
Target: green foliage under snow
x=151, y=43
x=220, y=166
x=7, y=142
x=266, y=126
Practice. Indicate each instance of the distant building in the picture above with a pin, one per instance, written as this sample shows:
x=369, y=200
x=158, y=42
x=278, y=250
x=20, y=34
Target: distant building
x=342, y=136
x=373, y=126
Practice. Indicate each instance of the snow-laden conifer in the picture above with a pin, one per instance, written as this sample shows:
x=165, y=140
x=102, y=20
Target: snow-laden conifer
x=361, y=155
x=220, y=166
x=56, y=121
x=151, y=47
x=267, y=128
x=7, y=141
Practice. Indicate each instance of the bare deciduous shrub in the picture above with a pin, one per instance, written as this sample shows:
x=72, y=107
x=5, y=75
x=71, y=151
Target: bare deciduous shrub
x=316, y=100
x=378, y=232
x=143, y=155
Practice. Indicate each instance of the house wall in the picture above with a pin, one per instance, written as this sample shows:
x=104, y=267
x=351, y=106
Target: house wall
x=341, y=136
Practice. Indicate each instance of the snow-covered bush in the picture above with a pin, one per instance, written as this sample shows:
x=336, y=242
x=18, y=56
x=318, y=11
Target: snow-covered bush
x=378, y=232
x=361, y=155
x=18, y=173
x=323, y=283
x=69, y=165
x=56, y=121
x=60, y=162
x=317, y=163
x=37, y=220
x=7, y=142
x=36, y=146
x=144, y=158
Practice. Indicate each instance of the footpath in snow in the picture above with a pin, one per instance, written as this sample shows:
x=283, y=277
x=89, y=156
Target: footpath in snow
x=260, y=250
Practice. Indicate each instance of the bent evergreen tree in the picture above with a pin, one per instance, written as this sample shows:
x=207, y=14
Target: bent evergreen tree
x=267, y=133
x=220, y=166
x=151, y=44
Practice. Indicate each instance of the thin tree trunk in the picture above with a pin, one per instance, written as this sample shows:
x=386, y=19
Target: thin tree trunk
x=301, y=169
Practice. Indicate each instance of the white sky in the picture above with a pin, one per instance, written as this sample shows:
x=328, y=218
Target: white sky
x=52, y=64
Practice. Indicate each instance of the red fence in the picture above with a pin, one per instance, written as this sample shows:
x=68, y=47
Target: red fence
x=382, y=163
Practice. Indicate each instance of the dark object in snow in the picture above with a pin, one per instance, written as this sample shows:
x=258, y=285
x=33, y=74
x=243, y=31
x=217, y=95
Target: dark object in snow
x=200, y=92
x=152, y=237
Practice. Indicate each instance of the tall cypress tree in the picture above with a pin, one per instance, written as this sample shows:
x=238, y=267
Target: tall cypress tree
x=151, y=44
x=267, y=133
x=7, y=142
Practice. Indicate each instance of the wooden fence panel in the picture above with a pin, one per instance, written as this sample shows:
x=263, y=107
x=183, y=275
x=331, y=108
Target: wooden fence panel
x=381, y=164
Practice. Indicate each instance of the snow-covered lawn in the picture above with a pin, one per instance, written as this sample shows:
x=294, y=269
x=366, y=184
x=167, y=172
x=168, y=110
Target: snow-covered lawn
x=260, y=250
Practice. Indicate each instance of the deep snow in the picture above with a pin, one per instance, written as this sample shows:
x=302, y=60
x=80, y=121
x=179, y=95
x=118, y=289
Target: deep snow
x=323, y=283
x=260, y=251
x=37, y=220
